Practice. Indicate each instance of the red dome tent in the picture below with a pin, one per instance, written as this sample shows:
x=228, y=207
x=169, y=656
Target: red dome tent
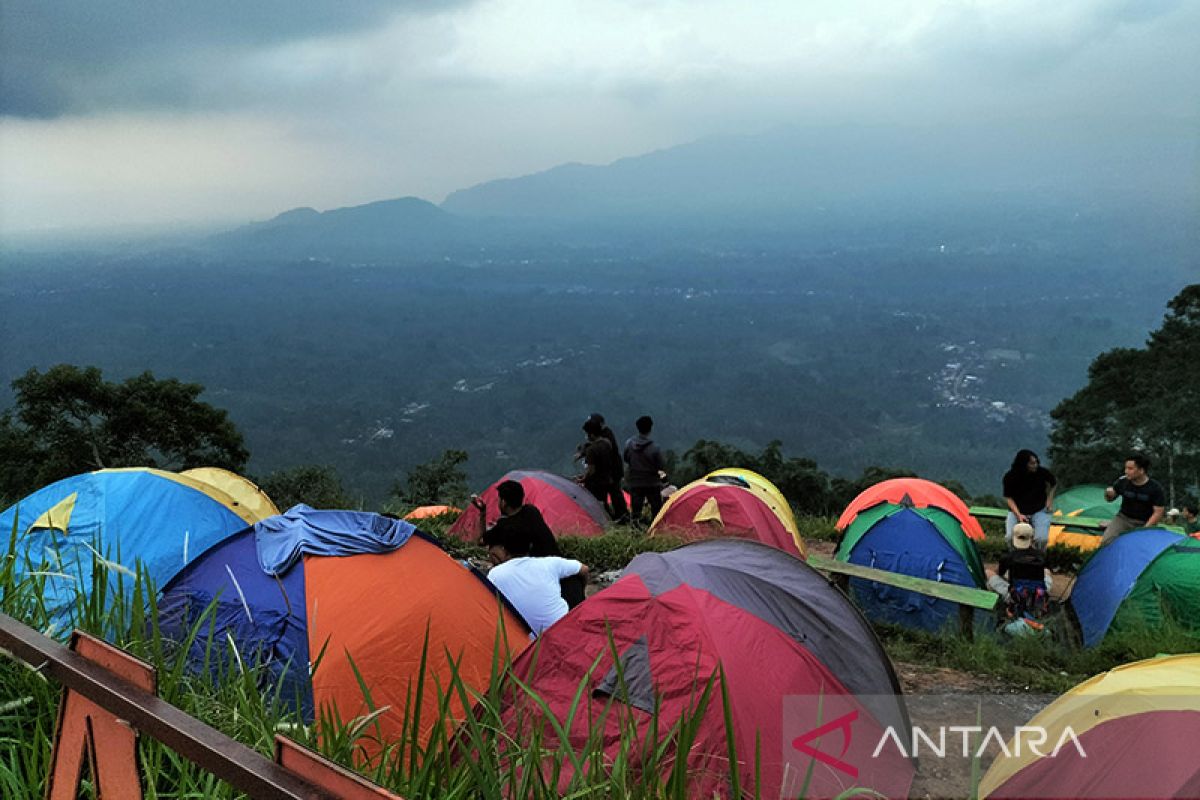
x=568, y=508
x=786, y=643
x=710, y=508
x=920, y=493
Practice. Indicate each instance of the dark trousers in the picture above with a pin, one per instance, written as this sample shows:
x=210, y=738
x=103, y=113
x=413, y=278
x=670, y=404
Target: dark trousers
x=613, y=499
x=639, y=496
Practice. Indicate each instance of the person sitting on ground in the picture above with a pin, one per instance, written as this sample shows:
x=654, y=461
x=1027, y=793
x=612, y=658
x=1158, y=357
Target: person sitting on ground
x=646, y=468
x=532, y=584
x=1191, y=521
x=1029, y=493
x=523, y=521
x=1143, y=500
x=1021, y=577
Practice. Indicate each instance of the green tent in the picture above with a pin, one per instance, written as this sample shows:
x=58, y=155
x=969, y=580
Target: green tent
x=1088, y=499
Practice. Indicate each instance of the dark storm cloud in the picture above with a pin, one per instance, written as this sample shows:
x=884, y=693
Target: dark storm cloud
x=62, y=56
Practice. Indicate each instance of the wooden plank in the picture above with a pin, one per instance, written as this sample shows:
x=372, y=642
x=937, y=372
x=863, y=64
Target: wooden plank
x=987, y=512
x=1090, y=523
x=963, y=595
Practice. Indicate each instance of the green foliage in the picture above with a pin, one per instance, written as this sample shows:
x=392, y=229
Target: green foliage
x=69, y=420
x=615, y=549
x=1137, y=399
x=809, y=489
x=316, y=485
x=441, y=481
x=1051, y=663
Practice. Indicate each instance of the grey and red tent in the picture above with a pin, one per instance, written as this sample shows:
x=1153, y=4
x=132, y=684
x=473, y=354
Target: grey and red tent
x=568, y=508
x=807, y=683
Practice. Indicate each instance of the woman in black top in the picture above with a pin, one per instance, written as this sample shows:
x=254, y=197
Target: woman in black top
x=1029, y=492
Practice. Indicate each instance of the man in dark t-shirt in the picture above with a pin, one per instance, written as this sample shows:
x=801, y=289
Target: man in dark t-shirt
x=521, y=529
x=1143, y=500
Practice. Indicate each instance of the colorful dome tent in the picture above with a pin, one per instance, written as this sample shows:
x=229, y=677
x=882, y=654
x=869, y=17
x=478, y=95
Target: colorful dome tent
x=363, y=590
x=777, y=631
x=1140, y=580
x=127, y=516
x=426, y=512
x=568, y=508
x=768, y=492
x=923, y=542
x=1136, y=727
x=724, y=506
x=1084, y=495
x=245, y=493
x=915, y=492
x=1088, y=502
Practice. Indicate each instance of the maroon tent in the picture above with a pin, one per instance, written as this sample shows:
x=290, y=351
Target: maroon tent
x=808, y=684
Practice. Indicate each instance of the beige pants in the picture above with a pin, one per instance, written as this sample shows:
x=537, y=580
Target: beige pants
x=1118, y=525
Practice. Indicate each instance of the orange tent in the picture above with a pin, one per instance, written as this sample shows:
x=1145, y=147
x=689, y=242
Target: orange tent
x=425, y=512
x=915, y=492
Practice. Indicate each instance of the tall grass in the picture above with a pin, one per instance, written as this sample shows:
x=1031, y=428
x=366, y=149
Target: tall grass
x=512, y=744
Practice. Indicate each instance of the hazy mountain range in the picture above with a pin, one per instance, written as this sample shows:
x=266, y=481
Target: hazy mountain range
x=790, y=183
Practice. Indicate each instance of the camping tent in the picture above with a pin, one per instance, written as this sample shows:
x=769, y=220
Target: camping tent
x=916, y=492
x=425, y=512
x=358, y=591
x=1085, y=501
x=127, y=516
x=568, y=508
x=785, y=641
x=1136, y=727
x=768, y=492
x=1085, y=495
x=1138, y=581
x=725, y=506
x=244, y=492
x=923, y=542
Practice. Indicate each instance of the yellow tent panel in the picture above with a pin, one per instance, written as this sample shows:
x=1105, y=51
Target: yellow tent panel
x=242, y=490
x=58, y=517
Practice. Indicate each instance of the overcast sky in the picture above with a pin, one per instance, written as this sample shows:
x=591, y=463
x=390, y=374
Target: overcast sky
x=126, y=112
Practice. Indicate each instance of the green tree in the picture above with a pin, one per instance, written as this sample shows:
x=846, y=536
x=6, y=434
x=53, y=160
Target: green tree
x=315, y=485
x=1138, y=399
x=69, y=420
x=441, y=481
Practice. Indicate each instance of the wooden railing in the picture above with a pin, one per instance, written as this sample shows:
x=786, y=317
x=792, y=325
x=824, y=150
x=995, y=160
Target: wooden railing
x=111, y=697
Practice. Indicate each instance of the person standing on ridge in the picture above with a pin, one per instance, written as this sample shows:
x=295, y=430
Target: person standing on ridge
x=1029, y=492
x=1143, y=500
x=604, y=467
x=646, y=470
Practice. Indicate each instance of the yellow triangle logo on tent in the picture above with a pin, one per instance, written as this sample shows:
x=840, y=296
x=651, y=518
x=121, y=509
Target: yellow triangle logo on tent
x=58, y=517
x=709, y=513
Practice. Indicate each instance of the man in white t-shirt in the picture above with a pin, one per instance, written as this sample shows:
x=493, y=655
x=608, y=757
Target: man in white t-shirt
x=531, y=584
